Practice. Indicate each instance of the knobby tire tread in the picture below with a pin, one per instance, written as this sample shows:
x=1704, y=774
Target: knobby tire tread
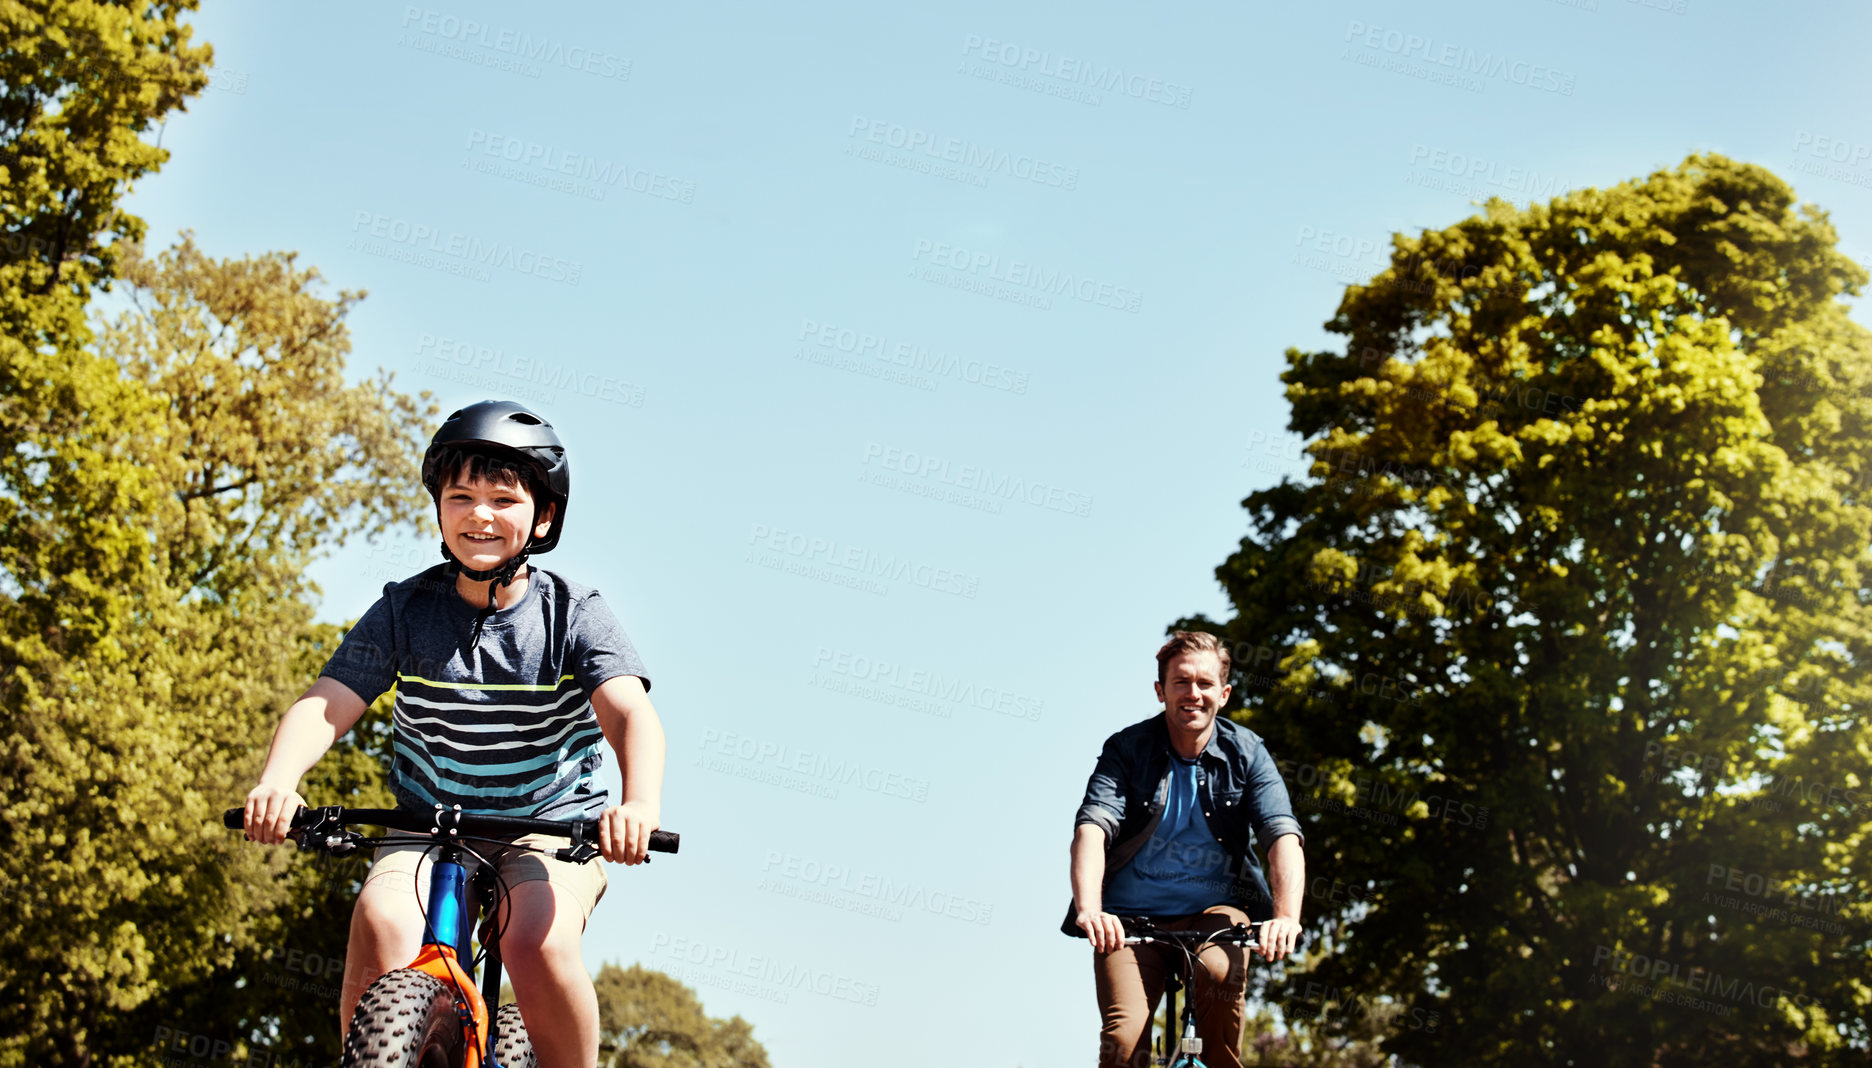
x=512, y=1047
x=406, y=1019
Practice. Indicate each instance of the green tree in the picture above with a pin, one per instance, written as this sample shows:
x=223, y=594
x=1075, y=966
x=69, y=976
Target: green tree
x=275, y=996
x=648, y=1020
x=1271, y=1041
x=1568, y=622
x=249, y=455
x=83, y=82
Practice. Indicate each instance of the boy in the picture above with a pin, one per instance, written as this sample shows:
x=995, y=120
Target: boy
x=506, y=678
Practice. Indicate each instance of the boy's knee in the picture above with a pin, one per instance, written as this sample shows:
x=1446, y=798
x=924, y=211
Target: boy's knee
x=542, y=917
x=555, y=952
x=386, y=924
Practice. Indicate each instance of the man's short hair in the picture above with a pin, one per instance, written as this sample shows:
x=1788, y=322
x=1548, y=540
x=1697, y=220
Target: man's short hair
x=1191, y=641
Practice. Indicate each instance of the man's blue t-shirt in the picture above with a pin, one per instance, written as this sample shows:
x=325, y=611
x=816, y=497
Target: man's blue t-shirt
x=1181, y=870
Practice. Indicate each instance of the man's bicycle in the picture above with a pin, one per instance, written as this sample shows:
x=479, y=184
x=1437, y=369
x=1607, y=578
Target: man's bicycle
x=430, y=1014
x=1184, y=1052
x=1169, y=1049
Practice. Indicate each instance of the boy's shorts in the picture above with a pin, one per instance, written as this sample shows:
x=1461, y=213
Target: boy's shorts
x=410, y=864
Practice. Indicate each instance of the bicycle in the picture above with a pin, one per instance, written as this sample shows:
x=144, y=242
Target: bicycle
x=1186, y=1051
x=435, y=992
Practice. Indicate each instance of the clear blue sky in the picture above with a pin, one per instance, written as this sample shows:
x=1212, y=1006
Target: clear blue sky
x=991, y=300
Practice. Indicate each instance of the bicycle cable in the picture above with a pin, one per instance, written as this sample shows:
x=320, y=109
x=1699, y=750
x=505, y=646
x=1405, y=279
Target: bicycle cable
x=473, y=1031
x=494, y=922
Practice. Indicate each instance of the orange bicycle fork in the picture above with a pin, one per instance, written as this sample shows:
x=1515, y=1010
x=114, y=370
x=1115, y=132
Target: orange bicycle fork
x=446, y=943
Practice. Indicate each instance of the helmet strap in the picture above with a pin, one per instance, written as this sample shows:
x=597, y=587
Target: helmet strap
x=500, y=576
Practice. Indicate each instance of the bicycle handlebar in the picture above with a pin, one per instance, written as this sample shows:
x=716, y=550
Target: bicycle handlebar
x=416, y=821
x=1241, y=934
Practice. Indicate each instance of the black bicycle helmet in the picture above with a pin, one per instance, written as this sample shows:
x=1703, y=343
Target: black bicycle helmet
x=510, y=431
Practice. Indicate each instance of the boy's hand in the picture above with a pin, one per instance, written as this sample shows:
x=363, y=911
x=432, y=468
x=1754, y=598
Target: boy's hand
x=624, y=832
x=270, y=811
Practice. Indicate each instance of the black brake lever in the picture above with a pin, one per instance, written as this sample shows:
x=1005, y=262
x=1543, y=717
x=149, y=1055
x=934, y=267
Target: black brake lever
x=320, y=826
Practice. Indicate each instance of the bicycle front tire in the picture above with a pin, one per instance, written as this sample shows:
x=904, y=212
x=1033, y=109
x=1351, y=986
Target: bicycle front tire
x=406, y=1019
x=512, y=1047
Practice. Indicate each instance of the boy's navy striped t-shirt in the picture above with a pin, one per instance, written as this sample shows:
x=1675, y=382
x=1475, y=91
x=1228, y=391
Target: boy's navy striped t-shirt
x=500, y=726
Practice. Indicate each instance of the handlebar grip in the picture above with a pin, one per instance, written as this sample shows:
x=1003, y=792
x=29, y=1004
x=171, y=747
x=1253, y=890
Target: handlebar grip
x=235, y=819
x=664, y=841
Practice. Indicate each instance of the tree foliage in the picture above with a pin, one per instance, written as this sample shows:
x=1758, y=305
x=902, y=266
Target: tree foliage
x=1301, y=1042
x=1565, y=632
x=646, y=1019
x=82, y=82
x=251, y=455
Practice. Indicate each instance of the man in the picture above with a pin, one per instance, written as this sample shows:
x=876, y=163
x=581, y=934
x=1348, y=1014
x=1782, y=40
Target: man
x=1164, y=832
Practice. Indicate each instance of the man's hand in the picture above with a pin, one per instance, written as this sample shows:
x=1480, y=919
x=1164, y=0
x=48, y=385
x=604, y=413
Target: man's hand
x=624, y=831
x=269, y=813
x=1105, y=930
x=1279, y=937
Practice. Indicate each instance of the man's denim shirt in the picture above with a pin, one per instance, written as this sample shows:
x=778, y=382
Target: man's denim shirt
x=1237, y=784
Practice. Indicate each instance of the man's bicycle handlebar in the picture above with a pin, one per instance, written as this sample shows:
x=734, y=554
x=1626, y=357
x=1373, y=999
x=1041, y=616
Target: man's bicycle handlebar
x=325, y=828
x=1139, y=930
x=1242, y=934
